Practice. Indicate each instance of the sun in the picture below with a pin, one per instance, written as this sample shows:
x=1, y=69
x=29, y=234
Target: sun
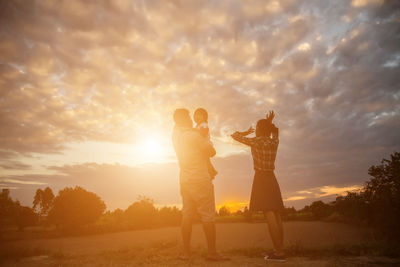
x=152, y=148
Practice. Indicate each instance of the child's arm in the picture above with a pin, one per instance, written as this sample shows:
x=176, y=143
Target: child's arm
x=204, y=131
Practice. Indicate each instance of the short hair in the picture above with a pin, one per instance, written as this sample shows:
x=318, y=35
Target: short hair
x=203, y=112
x=263, y=128
x=182, y=117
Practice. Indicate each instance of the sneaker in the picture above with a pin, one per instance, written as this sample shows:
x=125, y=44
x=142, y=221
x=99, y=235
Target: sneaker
x=275, y=258
x=269, y=252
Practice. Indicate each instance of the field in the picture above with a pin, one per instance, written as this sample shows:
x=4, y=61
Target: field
x=307, y=243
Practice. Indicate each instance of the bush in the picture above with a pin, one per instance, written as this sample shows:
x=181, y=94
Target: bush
x=25, y=216
x=224, y=211
x=6, y=208
x=75, y=207
x=142, y=213
x=378, y=203
x=320, y=210
x=354, y=207
x=382, y=194
x=12, y=213
x=169, y=216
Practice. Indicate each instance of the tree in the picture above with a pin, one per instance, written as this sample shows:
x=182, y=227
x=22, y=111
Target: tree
x=24, y=216
x=247, y=214
x=6, y=208
x=43, y=201
x=141, y=213
x=319, y=209
x=75, y=207
x=353, y=206
x=378, y=202
x=288, y=213
x=12, y=213
x=169, y=216
x=383, y=194
x=224, y=211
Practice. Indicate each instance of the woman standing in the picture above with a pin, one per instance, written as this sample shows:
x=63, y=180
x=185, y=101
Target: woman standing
x=265, y=194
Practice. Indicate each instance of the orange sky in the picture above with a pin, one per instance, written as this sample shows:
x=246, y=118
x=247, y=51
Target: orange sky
x=87, y=91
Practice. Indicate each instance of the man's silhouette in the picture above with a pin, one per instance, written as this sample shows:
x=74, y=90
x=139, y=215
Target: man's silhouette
x=197, y=189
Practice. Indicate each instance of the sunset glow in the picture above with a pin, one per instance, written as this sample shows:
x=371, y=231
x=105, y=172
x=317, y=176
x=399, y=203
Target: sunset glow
x=152, y=147
x=88, y=89
x=234, y=206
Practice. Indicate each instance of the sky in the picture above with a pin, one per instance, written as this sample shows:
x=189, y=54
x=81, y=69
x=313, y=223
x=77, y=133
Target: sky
x=88, y=88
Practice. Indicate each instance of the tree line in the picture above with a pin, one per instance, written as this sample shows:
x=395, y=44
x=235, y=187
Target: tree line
x=78, y=210
x=376, y=204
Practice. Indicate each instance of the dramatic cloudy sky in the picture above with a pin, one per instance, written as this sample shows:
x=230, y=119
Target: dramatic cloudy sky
x=87, y=91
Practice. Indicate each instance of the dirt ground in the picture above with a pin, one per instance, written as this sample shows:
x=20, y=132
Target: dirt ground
x=239, y=261
x=244, y=243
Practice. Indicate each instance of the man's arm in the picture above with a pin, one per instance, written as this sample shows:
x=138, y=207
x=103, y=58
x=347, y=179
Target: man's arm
x=203, y=144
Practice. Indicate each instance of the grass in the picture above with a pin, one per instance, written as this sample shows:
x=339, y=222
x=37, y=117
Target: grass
x=164, y=253
x=168, y=251
x=367, y=248
x=11, y=253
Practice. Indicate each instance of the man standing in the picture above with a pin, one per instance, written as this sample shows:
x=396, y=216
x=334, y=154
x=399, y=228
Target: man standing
x=197, y=190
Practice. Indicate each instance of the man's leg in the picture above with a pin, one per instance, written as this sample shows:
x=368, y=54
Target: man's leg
x=206, y=210
x=186, y=229
x=188, y=207
x=275, y=231
x=210, y=233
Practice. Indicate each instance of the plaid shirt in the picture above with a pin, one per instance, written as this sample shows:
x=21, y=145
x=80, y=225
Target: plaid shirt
x=263, y=150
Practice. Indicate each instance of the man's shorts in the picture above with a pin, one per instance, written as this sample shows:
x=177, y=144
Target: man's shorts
x=198, y=197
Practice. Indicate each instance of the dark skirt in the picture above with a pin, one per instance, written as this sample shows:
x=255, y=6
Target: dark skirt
x=265, y=193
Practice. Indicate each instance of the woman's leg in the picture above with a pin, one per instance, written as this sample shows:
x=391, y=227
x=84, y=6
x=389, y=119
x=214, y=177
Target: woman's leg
x=275, y=230
x=280, y=225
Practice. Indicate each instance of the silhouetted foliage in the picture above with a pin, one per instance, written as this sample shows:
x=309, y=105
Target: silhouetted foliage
x=169, y=216
x=288, y=213
x=247, y=214
x=6, y=208
x=383, y=194
x=141, y=213
x=43, y=201
x=24, y=217
x=320, y=209
x=377, y=204
x=354, y=207
x=76, y=207
x=224, y=211
x=12, y=213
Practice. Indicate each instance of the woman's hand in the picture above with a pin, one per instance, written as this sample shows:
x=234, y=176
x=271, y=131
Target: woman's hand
x=249, y=131
x=270, y=116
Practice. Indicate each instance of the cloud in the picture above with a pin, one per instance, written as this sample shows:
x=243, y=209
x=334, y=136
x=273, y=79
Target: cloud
x=15, y=181
x=14, y=165
x=75, y=72
x=323, y=191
